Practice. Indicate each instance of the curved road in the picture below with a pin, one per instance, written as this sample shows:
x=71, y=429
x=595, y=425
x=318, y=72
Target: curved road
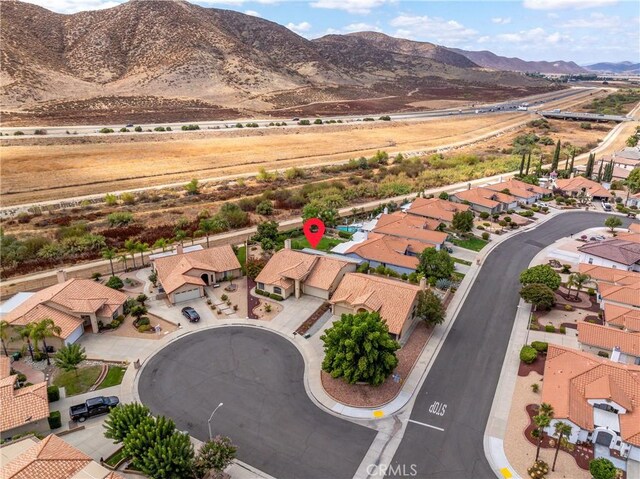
x=258, y=375
x=458, y=392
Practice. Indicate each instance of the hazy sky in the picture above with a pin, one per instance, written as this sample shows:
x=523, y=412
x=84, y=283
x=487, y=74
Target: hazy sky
x=585, y=31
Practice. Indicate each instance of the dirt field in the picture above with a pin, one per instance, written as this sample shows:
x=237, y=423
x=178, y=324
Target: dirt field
x=56, y=170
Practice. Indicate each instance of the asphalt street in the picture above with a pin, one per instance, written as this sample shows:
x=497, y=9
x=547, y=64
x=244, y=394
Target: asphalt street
x=258, y=376
x=453, y=405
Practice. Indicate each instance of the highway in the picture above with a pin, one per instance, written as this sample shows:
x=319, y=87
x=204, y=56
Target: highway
x=444, y=436
x=535, y=101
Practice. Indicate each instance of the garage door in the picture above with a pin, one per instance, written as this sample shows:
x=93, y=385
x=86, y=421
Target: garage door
x=186, y=295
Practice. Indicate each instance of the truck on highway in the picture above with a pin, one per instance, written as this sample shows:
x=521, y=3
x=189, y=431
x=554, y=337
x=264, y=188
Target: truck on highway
x=93, y=407
x=523, y=108
x=557, y=110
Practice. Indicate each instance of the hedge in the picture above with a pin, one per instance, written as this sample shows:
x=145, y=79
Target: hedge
x=550, y=328
x=528, y=354
x=540, y=346
x=55, y=420
x=277, y=297
x=53, y=393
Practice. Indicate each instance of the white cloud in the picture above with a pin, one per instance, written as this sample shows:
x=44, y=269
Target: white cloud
x=438, y=30
x=595, y=20
x=561, y=4
x=351, y=6
x=501, y=20
x=73, y=6
x=351, y=28
x=299, y=28
x=253, y=13
x=533, y=37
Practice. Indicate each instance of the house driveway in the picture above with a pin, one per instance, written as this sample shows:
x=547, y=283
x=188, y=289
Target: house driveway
x=463, y=253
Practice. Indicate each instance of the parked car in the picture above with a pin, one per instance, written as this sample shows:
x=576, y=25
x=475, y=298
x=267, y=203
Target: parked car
x=597, y=238
x=93, y=407
x=129, y=125
x=606, y=206
x=295, y=119
x=540, y=204
x=191, y=314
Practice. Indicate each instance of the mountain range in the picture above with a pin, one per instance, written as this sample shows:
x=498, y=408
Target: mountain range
x=169, y=58
x=620, y=67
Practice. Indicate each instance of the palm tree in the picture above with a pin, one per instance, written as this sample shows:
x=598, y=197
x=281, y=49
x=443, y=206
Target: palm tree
x=579, y=279
x=541, y=421
x=45, y=328
x=213, y=226
x=130, y=246
x=4, y=335
x=180, y=236
x=546, y=408
x=161, y=243
x=26, y=332
x=110, y=254
x=142, y=248
x=123, y=259
x=571, y=281
x=562, y=429
x=69, y=356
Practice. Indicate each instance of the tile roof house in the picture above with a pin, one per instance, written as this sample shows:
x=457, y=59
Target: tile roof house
x=394, y=300
x=625, y=295
x=21, y=409
x=51, y=458
x=612, y=253
x=295, y=272
x=183, y=276
x=609, y=275
x=574, y=186
x=621, y=346
x=72, y=304
x=436, y=209
x=485, y=200
x=598, y=398
x=524, y=192
x=410, y=227
x=398, y=254
x=622, y=317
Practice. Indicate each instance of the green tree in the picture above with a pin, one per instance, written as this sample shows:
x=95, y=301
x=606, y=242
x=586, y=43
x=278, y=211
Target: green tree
x=110, y=254
x=114, y=283
x=69, y=356
x=578, y=280
x=358, y=347
x=541, y=421
x=130, y=245
x=430, y=308
x=318, y=209
x=522, y=163
x=573, y=157
x=435, y=264
x=526, y=173
x=613, y=222
x=142, y=298
x=266, y=230
x=233, y=215
x=181, y=235
x=602, y=468
x=213, y=225
x=141, y=248
x=589, y=169
x=26, y=332
x=539, y=295
x=254, y=266
x=43, y=329
x=599, y=177
x=122, y=258
x=193, y=188
x=556, y=157
x=632, y=141
x=607, y=176
x=444, y=195
x=541, y=274
x=138, y=310
x=463, y=221
x=562, y=429
x=4, y=335
x=123, y=418
x=215, y=455
x=633, y=182
x=161, y=243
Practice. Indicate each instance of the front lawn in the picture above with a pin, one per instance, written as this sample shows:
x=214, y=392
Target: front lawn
x=242, y=257
x=473, y=243
x=115, y=458
x=86, y=377
x=461, y=261
x=113, y=377
x=325, y=244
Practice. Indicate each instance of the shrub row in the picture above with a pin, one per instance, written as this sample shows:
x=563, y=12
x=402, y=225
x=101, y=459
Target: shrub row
x=267, y=294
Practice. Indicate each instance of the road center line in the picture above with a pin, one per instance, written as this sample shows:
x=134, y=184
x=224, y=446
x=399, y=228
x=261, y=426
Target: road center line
x=426, y=425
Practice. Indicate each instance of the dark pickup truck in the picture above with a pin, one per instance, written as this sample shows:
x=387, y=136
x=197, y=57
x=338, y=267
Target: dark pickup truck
x=93, y=407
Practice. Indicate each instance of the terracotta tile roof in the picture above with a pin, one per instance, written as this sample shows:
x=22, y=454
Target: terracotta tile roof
x=65, y=302
x=607, y=337
x=410, y=227
x=53, y=458
x=627, y=294
x=622, y=317
x=21, y=406
x=575, y=185
x=484, y=197
x=391, y=298
x=617, y=250
x=626, y=161
x=634, y=227
x=632, y=152
x=385, y=249
x=313, y=270
x=519, y=189
x=609, y=275
x=631, y=236
x=173, y=271
x=570, y=377
x=5, y=367
x=441, y=210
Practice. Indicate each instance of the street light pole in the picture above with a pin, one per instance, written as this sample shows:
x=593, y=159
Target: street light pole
x=209, y=421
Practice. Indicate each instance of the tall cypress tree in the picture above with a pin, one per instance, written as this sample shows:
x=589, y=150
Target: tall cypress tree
x=556, y=157
x=573, y=157
x=566, y=164
x=539, y=169
x=589, y=171
x=608, y=172
x=528, y=164
x=522, y=164
x=599, y=179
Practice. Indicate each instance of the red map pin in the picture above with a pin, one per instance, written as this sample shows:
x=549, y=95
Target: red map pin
x=313, y=230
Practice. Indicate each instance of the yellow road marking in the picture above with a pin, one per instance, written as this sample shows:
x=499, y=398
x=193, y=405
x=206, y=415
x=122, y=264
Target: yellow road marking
x=506, y=472
x=378, y=413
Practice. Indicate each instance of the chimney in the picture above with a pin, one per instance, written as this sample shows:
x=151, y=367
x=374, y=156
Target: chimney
x=179, y=249
x=62, y=276
x=423, y=283
x=287, y=243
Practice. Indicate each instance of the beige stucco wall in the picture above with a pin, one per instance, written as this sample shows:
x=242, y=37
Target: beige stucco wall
x=286, y=292
x=41, y=426
x=316, y=292
x=183, y=288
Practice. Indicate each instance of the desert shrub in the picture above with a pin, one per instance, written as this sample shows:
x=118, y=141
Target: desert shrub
x=535, y=387
x=481, y=228
x=128, y=198
x=526, y=214
x=190, y=127
x=443, y=284
x=18, y=133
x=142, y=321
x=115, y=283
x=485, y=236
x=550, y=328
x=562, y=330
x=528, y=354
x=106, y=130
x=539, y=470
x=143, y=328
x=566, y=268
x=568, y=307
x=304, y=122
x=159, y=128
x=591, y=292
x=540, y=346
x=120, y=218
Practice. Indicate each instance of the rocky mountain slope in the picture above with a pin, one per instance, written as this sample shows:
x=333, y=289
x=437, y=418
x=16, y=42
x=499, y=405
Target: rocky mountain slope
x=132, y=58
x=620, y=67
x=490, y=60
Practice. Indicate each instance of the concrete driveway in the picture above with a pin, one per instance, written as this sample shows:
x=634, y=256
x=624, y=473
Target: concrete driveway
x=258, y=375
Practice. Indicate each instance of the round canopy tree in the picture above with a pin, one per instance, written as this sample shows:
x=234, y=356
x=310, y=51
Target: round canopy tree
x=539, y=295
x=541, y=274
x=359, y=347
